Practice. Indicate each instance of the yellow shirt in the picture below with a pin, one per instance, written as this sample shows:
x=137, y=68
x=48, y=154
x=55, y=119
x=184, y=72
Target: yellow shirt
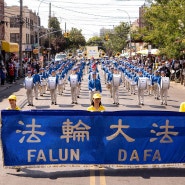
x=182, y=107
x=16, y=108
x=92, y=109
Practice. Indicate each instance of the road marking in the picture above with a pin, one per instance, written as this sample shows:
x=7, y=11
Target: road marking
x=93, y=177
x=102, y=177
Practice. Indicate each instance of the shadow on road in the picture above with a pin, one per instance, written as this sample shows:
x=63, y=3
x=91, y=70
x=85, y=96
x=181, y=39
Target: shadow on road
x=144, y=173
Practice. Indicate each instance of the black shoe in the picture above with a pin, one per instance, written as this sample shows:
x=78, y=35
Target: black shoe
x=31, y=105
x=28, y=104
x=117, y=103
x=52, y=103
x=76, y=103
x=55, y=103
x=114, y=103
x=72, y=102
x=36, y=98
x=78, y=96
x=41, y=95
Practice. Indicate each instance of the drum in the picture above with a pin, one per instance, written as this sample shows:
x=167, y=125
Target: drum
x=165, y=82
x=132, y=82
x=52, y=82
x=61, y=81
x=43, y=82
x=73, y=80
x=142, y=83
x=28, y=83
x=116, y=79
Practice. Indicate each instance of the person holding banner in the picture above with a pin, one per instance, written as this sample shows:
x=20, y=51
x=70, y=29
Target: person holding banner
x=96, y=105
x=12, y=101
x=182, y=107
x=13, y=106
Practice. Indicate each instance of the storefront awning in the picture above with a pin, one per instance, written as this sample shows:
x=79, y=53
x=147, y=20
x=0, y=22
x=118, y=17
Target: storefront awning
x=9, y=47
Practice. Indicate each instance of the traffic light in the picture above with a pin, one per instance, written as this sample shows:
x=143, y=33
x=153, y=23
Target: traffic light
x=66, y=34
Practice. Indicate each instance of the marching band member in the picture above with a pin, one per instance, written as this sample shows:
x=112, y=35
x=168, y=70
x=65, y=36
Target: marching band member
x=28, y=84
x=52, y=84
x=94, y=86
x=109, y=84
x=164, y=85
x=41, y=90
x=74, y=81
x=80, y=74
x=155, y=84
x=36, y=82
x=43, y=79
x=149, y=76
x=132, y=81
x=141, y=83
x=61, y=81
x=116, y=82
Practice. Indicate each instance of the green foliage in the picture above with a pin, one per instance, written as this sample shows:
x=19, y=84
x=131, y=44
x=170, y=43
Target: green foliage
x=54, y=25
x=76, y=39
x=165, y=26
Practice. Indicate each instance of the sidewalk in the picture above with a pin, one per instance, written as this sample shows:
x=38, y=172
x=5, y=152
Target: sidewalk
x=12, y=89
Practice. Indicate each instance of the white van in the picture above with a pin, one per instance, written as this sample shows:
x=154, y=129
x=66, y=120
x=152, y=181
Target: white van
x=60, y=56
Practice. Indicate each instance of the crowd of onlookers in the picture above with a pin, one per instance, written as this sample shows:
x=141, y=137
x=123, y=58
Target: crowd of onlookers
x=10, y=71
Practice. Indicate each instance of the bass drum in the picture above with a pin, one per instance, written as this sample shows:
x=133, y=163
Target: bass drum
x=52, y=82
x=142, y=83
x=165, y=82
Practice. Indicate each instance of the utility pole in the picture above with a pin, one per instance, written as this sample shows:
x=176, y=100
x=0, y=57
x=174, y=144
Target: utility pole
x=49, y=31
x=20, y=38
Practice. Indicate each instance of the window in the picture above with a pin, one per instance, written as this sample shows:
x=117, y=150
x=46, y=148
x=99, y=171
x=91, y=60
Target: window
x=14, y=22
x=14, y=37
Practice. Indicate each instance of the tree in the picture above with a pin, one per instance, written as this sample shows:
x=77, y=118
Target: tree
x=117, y=39
x=76, y=39
x=165, y=26
x=54, y=25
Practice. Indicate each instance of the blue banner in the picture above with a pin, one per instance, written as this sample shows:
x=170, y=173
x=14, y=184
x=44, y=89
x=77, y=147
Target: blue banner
x=55, y=137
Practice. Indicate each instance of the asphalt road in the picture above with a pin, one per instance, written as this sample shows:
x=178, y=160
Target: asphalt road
x=93, y=175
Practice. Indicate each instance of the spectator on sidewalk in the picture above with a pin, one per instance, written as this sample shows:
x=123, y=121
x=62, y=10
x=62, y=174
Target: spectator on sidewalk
x=3, y=73
x=12, y=100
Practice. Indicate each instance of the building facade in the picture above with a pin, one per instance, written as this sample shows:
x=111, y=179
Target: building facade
x=29, y=28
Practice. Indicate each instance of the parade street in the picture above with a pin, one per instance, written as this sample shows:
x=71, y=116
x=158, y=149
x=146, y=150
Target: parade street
x=127, y=101
x=91, y=174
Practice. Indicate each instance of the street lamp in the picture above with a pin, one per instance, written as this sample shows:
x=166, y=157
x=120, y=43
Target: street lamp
x=129, y=35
